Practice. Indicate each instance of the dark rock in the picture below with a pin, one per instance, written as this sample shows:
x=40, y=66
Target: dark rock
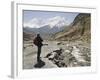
x=59, y=43
x=58, y=51
x=50, y=58
x=49, y=54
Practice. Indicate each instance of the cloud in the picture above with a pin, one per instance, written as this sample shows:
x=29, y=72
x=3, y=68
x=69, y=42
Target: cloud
x=32, y=23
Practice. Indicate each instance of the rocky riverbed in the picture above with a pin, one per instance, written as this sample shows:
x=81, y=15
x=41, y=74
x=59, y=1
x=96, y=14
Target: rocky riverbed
x=57, y=54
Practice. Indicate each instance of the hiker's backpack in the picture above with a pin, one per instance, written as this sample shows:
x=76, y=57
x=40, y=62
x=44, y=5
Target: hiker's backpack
x=35, y=42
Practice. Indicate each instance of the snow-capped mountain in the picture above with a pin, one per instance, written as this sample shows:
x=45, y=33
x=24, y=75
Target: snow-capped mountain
x=56, y=21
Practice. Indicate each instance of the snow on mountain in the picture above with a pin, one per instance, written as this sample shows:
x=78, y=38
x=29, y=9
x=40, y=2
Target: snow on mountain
x=56, y=21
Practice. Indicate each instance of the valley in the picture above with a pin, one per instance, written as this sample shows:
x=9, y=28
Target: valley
x=63, y=45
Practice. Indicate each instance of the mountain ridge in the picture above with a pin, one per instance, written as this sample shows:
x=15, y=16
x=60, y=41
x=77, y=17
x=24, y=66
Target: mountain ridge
x=79, y=29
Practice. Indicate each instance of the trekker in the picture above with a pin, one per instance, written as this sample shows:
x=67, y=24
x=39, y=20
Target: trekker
x=38, y=42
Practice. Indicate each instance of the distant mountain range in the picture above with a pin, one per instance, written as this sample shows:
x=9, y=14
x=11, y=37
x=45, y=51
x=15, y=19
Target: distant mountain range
x=44, y=29
x=50, y=27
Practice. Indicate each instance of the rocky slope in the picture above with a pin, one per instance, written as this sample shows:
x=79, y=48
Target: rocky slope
x=28, y=36
x=78, y=30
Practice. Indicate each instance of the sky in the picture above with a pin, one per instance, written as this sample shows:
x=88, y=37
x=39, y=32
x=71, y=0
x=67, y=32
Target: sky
x=33, y=18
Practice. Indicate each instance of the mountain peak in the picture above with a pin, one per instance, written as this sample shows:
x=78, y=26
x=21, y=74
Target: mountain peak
x=57, y=21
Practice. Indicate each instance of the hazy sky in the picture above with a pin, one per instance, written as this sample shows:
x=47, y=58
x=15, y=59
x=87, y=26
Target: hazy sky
x=29, y=15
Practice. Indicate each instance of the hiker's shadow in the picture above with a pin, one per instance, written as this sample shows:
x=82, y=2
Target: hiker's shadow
x=39, y=64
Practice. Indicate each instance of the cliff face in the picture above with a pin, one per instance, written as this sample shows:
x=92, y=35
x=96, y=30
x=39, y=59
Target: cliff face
x=80, y=29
